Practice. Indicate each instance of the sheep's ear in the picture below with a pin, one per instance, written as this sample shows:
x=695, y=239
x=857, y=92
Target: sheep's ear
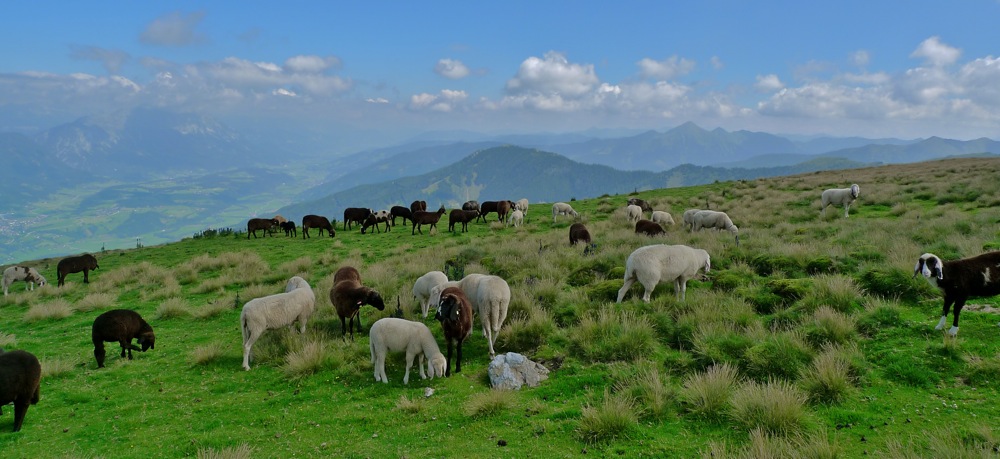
x=919, y=267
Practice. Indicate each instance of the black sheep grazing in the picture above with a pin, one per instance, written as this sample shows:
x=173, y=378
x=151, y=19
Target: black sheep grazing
x=70, y=265
x=289, y=228
x=642, y=204
x=485, y=208
x=121, y=325
x=348, y=295
x=320, y=223
x=421, y=218
x=265, y=224
x=461, y=216
x=455, y=314
x=20, y=380
x=403, y=212
x=578, y=233
x=355, y=215
x=974, y=277
x=649, y=228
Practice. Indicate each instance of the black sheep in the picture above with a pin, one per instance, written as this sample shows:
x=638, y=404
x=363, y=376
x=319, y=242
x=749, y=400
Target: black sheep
x=20, y=380
x=418, y=206
x=70, y=265
x=649, y=228
x=265, y=224
x=121, y=325
x=355, y=215
x=289, y=228
x=960, y=280
x=320, y=223
x=403, y=212
x=461, y=216
x=421, y=218
x=578, y=233
x=486, y=208
x=455, y=314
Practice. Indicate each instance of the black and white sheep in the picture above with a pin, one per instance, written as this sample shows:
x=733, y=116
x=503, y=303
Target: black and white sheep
x=578, y=233
x=295, y=304
x=455, y=314
x=421, y=218
x=319, y=222
x=402, y=212
x=29, y=275
x=70, y=265
x=20, y=383
x=645, y=206
x=391, y=334
x=422, y=288
x=653, y=264
x=348, y=295
x=561, y=208
x=355, y=215
x=959, y=280
x=121, y=326
x=715, y=220
x=382, y=216
x=839, y=197
x=264, y=224
x=649, y=228
x=461, y=216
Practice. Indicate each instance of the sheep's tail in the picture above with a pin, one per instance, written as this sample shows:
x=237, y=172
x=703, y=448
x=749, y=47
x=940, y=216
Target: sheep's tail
x=244, y=327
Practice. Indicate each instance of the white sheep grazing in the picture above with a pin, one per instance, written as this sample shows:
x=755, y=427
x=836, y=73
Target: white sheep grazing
x=840, y=196
x=30, y=276
x=522, y=205
x=653, y=264
x=561, y=208
x=516, y=218
x=688, y=218
x=490, y=298
x=662, y=218
x=633, y=213
x=716, y=220
x=276, y=311
x=422, y=289
x=394, y=335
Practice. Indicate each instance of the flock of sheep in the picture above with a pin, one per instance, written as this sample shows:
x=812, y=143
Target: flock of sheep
x=456, y=301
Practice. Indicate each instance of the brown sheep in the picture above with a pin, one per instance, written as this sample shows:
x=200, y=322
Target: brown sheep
x=421, y=218
x=355, y=215
x=463, y=217
x=348, y=295
x=578, y=233
x=418, y=206
x=320, y=223
x=255, y=224
x=503, y=208
x=121, y=325
x=455, y=314
x=20, y=381
x=648, y=228
x=70, y=265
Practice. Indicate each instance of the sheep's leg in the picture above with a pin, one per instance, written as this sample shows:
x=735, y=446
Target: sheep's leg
x=343, y=328
x=99, y=353
x=248, y=348
x=420, y=365
x=20, y=409
x=447, y=362
x=409, y=363
x=622, y=291
x=958, y=310
x=847, y=207
x=380, y=368
x=458, y=363
x=948, y=301
x=86, y=278
x=126, y=346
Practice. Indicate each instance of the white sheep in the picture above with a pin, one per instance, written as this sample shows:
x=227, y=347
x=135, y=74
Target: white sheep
x=395, y=335
x=490, y=298
x=522, y=205
x=422, y=289
x=653, y=264
x=561, y=208
x=275, y=311
x=662, y=218
x=688, y=218
x=840, y=196
x=633, y=213
x=30, y=276
x=716, y=220
x=516, y=218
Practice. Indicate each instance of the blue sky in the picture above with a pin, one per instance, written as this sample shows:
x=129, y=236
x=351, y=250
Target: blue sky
x=386, y=70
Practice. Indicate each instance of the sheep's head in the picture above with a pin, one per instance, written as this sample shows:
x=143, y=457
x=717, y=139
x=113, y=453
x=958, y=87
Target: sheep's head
x=436, y=366
x=448, y=308
x=855, y=191
x=930, y=266
x=375, y=299
x=147, y=340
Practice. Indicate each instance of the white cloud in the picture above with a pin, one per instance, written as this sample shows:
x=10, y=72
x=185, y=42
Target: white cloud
x=451, y=69
x=936, y=53
x=311, y=64
x=445, y=101
x=860, y=58
x=552, y=75
x=768, y=83
x=174, y=29
x=666, y=69
x=377, y=100
x=284, y=92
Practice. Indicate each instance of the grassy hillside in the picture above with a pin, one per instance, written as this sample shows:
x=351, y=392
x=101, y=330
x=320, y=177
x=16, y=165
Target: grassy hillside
x=810, y=338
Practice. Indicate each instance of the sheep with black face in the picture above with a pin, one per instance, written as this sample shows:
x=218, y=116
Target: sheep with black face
x=959, y=280
x=121, y=326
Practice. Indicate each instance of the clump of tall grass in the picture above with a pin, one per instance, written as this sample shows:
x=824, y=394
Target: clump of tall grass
x=879, y=314
x=652, y=390
x=830, y=378
x=172, y=308
x=526, y=333
x=616, y=416
x=835, y=291
x=297, y=267
x=779, y=355
x=611, y=335
x=212, y=309
x=830, y=326
x=207, y=353
x=306, y=361
x=776, y=407
x=409, y=405
x=52, y=368
x=715, y=343
x=55, y=309
x=95, y=301
x=707, y=393
x=764, y=445
x=243, y=451
x=489, y=403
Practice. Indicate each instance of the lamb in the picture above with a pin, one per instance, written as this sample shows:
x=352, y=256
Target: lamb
x=297, y=303
x=422, y=288
x=355, y=215
x=29, y=275
x=633, y=213
x=645, y=206
x=289, y=228
x=455, y=314
x=393, y=334
x=375, y=218
x=649, y=228
x=421, y=218
x=561, y=208
x=688, y=218
x=70, y=265
x=121, y=325
x=265, y=224
x=578, y=233
x=516, y=218
x=522, y=205
x=402, y=212
x=662, y=218
x=320, y=223
x=461, y=216
x=20, y=383
x=653, y=264
x=840, y=196
x=973, y=277
x=348, y=295
x=717, y=220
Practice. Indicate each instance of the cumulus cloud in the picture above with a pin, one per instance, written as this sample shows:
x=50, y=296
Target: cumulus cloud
x=552, y=75
x=768, y=83
x=111, y=59
x=666, y=69
x=451, y=68
x=174, y=29
x=445, y=101
x=284, y=92
x=936, y=53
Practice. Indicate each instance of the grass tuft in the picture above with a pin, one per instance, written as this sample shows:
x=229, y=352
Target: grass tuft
x=243, y=451
x=306, y=361
x=707, y=393
x=614, y=418
x=55, y=309
x=207, y=353
x=776, y=407
x=172, y=308
x=489, y=403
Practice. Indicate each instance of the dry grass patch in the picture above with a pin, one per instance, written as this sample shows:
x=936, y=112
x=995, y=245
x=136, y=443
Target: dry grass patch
x=411, y=406
x=614, y=418
x=7, y=340
x=212, y=309
x=95, y=301
x=172, y=308
x=207, y=353
x=243, y=451
x=776, y=407
x=297, y=267
x=52, y=368
x=306, y=361
x=489, y=403
x=55, y=309
x=707, y=393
